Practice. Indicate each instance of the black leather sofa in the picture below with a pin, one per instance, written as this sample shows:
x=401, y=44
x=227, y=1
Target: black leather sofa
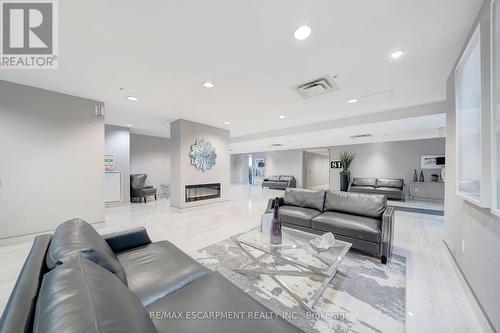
x=78, y=281
x=391, y=188
x=279, y=182
x=364, y=220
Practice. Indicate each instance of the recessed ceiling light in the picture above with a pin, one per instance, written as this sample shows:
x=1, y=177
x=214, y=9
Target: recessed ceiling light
x=226, y=123
x=354, y=100
x=208, y=84
x=133, y=98
x=302, y=32
x=396, y=54
x=129, y=125
x=282, y=117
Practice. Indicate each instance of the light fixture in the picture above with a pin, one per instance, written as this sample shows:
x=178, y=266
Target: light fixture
x=396, y=54
x=133, y=98
x=208, y=84
x=129, y=125
x=226, y=123
x=302, y=32
x=282, y=117
x=351, y=101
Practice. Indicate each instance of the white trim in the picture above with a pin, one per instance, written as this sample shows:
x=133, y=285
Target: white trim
x=495, y=210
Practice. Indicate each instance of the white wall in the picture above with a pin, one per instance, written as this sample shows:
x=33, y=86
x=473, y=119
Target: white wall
x=466, y=224
x=150, y=155
x=117, y=142
x=317, y=169
x=184, y=134
x=51, y=166
x=397, y=159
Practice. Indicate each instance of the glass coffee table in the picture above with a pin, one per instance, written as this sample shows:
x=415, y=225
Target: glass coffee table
x=293, y=259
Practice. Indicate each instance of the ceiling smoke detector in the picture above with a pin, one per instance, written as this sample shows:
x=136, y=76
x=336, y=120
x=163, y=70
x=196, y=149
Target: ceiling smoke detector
x=360, y=136
x=318, y=86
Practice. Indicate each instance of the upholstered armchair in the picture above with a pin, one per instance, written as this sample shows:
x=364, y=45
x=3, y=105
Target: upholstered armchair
x=139, y=189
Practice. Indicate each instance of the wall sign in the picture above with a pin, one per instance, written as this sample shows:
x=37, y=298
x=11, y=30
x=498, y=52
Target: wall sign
x=335, y=165
x=109, y=162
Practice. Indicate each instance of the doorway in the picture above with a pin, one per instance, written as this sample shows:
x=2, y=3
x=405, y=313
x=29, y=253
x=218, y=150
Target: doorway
x=317, y=168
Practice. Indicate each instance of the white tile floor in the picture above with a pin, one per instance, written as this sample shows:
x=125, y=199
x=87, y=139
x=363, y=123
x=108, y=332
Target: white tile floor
x=436, y=300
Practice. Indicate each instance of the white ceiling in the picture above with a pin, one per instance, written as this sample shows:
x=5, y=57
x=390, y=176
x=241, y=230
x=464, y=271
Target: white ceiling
x=162, y=52
x=425, y=127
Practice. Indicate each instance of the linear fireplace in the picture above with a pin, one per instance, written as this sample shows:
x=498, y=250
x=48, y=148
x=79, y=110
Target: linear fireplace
x=202, y=192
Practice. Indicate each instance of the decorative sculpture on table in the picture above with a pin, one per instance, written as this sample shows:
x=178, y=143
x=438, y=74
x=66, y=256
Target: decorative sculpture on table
x=203, y=155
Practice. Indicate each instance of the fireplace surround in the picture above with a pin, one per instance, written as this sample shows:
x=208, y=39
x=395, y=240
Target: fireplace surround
x=200, y=192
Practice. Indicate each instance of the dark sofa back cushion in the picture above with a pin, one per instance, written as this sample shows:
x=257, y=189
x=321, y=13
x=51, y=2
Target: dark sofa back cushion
x=80, y=296
x=304, y=198
x=384, y=182
x=19, y=313
x=364, y=181
x=77, y=237
x=370, y=205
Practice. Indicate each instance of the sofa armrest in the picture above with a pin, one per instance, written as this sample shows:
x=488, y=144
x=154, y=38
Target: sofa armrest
x=126, y=240
x=387, y=232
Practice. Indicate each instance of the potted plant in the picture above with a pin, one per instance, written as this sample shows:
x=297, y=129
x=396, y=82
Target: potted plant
x=346, y=159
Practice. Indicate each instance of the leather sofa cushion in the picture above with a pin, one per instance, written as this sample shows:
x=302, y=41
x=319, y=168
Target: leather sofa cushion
x=273, y=178
x=362, y=189
x=158, y=269
x=364, y=181
x=286, y=178
x=298, y=215
x=370, y=205
x=390, y=190
x=213, y=293
x=384, y=182
x=304, y=198
x=77, y=237
x=358, y=227
x=80, y=296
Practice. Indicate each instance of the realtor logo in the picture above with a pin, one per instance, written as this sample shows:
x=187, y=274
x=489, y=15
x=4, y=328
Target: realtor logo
x=28, y=34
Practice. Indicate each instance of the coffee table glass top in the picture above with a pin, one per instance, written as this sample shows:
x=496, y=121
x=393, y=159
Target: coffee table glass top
x=294, y=258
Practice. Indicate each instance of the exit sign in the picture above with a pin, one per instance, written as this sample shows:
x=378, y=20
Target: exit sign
x=335, y=165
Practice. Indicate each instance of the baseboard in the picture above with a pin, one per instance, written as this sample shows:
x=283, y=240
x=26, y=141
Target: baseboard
x=477, y=307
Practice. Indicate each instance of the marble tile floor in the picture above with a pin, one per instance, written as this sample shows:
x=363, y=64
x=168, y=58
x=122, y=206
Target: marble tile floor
x=436, y=298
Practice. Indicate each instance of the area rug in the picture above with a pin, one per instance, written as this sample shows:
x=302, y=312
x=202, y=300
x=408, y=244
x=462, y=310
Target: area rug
x=364, y=296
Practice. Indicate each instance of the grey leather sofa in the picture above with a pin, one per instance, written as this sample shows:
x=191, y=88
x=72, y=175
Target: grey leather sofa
x=279, y=182
x=391, y=188
x=364, y=220
x=78, y=281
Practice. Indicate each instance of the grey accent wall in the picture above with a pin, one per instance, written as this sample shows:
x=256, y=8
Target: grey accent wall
x=317, y=169
x=183, y=134
x=239, y=169
x=471, y=233
x=150, y=155
x=117, y=142
x=51, y=166
x=396, y=159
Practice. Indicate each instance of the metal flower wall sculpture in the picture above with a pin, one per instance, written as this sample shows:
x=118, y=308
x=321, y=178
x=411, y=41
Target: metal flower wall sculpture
x=203, y=155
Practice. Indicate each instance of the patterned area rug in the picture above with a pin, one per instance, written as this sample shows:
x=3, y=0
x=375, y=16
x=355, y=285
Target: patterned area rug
x=364, y=296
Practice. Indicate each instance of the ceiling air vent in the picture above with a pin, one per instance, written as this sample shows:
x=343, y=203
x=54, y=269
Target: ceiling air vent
x=276, y=145
x=319, y=86
x=361, y=136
